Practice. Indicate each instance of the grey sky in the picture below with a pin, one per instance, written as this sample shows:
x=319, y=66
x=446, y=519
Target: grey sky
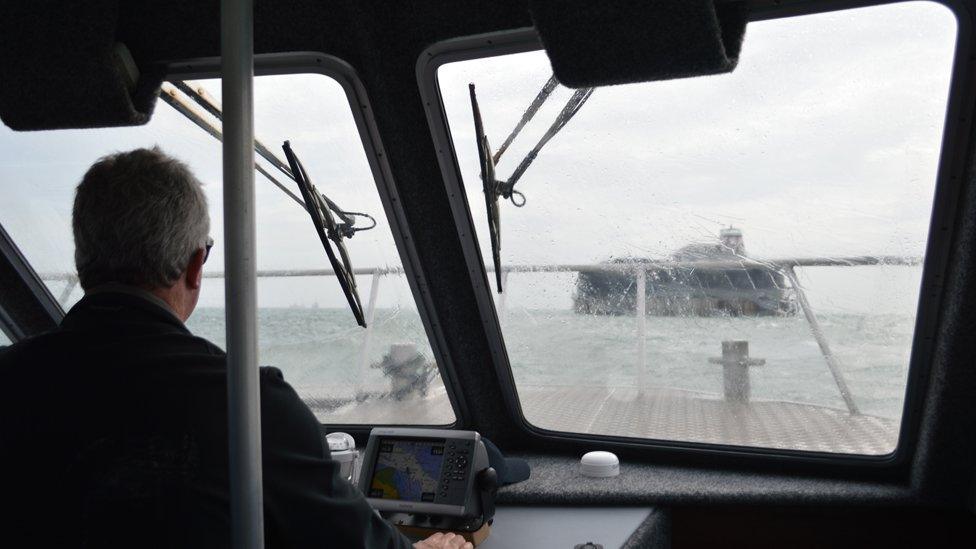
x=824, y=141
x=39, y=171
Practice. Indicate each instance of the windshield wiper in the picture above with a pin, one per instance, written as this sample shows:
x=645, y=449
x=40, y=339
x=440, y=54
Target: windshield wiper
x=324, y=207
x=330, y=233
x=490, y=187
x=494, y=188
x=209, y=104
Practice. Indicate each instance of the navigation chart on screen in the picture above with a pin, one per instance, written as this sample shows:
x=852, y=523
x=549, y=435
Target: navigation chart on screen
x=407, y=470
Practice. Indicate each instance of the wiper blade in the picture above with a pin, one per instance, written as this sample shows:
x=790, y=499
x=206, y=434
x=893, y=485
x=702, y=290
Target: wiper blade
x=490, y=187
x=320, y=209
x=495, y=189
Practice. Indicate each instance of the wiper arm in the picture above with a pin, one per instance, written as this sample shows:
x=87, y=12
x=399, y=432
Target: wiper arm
x=529, y=113
x=320, y=209
x=210, y=105
x=572, y=107
x=172, y=98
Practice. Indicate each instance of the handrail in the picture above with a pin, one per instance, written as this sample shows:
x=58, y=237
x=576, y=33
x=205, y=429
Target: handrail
x=832, y=364
x=637, y=268
x=743, y=263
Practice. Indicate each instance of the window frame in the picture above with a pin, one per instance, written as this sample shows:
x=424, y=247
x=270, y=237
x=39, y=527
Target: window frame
x=43, y=298
x=345, y=75
x=955, y=141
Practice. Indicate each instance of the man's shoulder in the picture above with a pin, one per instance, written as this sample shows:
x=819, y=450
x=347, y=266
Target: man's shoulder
x=70, y=342
x=162, y=354
x=45, y=343
x=187, y=343
x=275, y=388
x=72, y=347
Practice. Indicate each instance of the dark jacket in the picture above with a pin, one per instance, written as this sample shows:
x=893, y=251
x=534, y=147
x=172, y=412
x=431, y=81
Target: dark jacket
x=113, y=432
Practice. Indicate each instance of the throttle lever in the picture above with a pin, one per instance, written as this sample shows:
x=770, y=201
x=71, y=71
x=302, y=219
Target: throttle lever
x=487, y=489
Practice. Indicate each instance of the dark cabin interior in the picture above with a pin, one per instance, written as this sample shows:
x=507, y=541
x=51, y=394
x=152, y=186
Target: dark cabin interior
x=58, y=70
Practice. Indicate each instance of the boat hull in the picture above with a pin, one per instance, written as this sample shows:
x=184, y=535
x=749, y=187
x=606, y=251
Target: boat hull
x=687, y=291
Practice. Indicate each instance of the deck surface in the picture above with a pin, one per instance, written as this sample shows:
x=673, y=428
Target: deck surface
x=666, y=414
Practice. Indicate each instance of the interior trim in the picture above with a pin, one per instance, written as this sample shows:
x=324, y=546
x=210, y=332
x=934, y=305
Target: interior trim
x=16, y=324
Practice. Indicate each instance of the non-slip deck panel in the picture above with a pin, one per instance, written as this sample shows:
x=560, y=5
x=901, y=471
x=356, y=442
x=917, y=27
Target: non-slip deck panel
x=671, y=414
x=652, y=413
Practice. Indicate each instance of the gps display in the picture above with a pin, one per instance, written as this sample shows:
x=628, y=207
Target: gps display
x=424, y=473
x=408, y=470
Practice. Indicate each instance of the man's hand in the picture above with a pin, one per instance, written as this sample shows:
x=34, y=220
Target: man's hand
x=444, y=541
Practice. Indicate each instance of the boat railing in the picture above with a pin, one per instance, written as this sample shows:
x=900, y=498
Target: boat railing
x=639, y=269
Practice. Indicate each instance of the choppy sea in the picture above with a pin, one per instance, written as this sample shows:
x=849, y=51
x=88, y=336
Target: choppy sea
x=321, y=351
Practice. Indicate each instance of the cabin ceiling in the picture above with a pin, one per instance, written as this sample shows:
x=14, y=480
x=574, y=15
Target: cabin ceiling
x=52, y=81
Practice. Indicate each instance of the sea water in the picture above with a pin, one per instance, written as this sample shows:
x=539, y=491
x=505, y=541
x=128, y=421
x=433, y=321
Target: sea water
x=323, y=353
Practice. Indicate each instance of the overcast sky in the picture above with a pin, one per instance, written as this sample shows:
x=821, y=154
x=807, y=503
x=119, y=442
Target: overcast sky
x=824, y=141
x=40, y=170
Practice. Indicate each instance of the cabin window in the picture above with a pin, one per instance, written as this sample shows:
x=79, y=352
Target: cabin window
x=731, y=259
x=346, y=374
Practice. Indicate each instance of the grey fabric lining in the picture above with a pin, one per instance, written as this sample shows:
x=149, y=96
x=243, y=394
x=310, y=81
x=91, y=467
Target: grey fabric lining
x=76, y=75
x=944, y=463
x=601, y=43
x=556, y=481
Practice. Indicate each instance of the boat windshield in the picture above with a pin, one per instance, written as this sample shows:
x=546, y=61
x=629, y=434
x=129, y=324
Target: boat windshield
x=732, y=259
x=384, y=374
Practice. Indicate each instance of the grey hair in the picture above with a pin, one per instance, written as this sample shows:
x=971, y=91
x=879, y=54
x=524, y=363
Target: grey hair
x=138, y=218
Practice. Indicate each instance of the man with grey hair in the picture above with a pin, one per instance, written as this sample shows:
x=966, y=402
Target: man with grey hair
x=140, y=221
x=115, y=424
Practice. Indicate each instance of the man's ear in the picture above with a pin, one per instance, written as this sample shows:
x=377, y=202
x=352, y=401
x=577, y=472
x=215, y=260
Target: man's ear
x=194, y=271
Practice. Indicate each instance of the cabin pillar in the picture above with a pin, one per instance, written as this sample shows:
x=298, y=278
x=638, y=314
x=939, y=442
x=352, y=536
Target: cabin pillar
x=240, y=288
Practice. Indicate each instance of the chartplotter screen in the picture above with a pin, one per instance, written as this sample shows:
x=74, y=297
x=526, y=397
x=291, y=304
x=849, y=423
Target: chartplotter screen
x=407, y=470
